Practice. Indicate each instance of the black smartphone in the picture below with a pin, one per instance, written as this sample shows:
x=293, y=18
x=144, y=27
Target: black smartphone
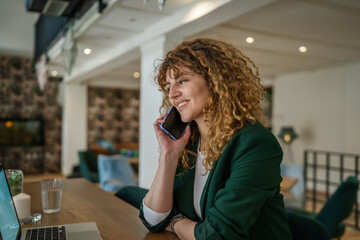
x=173, y=126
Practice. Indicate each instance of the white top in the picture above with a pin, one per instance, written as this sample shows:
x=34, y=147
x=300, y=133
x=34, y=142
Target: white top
x=199, y=182
x=154, y=218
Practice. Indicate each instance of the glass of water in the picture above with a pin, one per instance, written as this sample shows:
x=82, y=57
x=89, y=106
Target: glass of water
x=51, y=194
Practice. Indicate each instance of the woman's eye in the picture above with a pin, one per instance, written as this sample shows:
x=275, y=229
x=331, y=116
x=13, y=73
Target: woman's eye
x=182, y=81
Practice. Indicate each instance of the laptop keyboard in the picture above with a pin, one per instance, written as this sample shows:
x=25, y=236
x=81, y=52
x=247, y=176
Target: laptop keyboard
x=46, y=233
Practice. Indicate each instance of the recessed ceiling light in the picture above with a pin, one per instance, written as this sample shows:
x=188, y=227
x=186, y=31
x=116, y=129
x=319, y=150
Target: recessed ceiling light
x=302, y=49
x=136, y=74
x=87, y=51
x=250, y=40
x=54, y=73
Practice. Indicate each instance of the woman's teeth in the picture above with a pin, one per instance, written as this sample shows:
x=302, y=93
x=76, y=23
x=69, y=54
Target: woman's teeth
x=182, y=104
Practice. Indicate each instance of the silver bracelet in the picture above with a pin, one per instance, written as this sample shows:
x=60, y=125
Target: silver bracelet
x=174, y=220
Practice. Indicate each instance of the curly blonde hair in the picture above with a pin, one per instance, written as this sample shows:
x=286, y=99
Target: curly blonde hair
x=234, y=88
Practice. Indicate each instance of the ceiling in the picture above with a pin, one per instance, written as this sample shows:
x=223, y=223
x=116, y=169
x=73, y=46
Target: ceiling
x=331, y=33
x=330, y=29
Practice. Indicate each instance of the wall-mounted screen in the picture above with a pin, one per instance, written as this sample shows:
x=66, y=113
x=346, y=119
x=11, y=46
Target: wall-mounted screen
x=21, y=132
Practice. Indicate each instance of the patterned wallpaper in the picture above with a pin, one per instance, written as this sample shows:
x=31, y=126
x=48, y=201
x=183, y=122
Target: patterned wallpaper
x=113, y=115
x=20, y=97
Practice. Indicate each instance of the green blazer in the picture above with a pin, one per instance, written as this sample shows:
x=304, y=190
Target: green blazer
x=241, y=198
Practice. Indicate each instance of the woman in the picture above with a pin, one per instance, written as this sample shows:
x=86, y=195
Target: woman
x=221, y=180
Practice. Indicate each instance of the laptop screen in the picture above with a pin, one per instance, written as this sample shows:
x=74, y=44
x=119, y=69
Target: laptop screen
x=9, y=223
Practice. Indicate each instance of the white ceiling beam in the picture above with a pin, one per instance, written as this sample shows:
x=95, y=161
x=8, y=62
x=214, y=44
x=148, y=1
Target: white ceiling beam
x=222, y=14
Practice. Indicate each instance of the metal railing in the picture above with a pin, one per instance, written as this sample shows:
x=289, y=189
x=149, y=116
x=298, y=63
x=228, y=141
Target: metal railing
x=321, y=169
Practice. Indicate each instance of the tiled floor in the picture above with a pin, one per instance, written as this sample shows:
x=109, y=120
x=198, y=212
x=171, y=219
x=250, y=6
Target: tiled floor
x=351, y=234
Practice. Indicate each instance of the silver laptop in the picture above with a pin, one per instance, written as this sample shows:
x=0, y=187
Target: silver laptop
x=10, y=228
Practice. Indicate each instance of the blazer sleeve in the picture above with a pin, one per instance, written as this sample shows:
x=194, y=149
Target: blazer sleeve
x=254, y=178
x=161, y=225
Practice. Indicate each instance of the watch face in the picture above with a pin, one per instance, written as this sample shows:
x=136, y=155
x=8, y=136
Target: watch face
x=177, y=217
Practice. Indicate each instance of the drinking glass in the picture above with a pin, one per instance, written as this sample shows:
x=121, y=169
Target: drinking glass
x=51, y=194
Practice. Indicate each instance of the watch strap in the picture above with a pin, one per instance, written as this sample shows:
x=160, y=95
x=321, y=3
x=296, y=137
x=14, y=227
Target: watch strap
x=174, y=220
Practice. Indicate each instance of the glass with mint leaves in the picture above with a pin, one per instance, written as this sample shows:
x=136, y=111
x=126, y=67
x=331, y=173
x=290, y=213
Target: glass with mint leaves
x=15, y=179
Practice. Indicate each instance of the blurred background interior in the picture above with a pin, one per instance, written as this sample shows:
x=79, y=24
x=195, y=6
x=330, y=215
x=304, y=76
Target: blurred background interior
x=77, y=97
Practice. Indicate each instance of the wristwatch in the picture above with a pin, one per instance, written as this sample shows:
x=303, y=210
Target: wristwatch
x=174, y=220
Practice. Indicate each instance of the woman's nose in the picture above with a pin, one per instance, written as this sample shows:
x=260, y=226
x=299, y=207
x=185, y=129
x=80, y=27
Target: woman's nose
x=174, y=92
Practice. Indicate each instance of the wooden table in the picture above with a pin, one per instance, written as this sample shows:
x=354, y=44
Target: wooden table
x=83, y=201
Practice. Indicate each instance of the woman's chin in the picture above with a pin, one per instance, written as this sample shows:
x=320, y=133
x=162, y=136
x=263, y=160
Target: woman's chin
x=185, y=119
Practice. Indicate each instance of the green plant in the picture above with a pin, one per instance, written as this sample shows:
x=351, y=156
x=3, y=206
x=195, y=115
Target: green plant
x=16, y=182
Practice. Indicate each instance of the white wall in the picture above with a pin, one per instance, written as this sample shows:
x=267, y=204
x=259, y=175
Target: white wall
x=324, y=108
x=74, y=129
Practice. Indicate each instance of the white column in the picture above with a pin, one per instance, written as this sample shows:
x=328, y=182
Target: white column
x=74, y=127
x=150, y=101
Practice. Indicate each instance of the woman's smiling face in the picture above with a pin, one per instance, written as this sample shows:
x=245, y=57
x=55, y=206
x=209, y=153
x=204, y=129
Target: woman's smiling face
x=189, y=93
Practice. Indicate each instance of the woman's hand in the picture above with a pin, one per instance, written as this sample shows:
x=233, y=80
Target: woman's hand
x=168, y=145
x=168, y=228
